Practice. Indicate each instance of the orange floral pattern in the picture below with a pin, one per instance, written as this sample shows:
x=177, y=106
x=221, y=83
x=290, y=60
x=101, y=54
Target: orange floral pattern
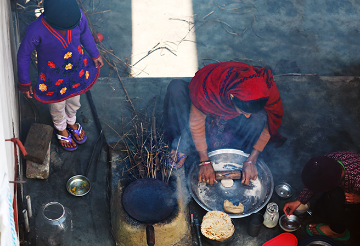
x=42, y=87
x=63, y=90
x=59, y=81
x=50, y=93
x=42, y=76
x=76, y=85
x=87, y=74
x=80, y=50
x=68, y=55
x=81, y=73
x=85, y=62
x=51, y=64
x=68, y=66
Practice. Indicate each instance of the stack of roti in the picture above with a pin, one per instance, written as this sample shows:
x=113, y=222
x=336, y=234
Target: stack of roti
x=217, y=225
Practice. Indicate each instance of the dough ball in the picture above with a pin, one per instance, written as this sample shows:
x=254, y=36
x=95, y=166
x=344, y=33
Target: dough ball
x=227, y=183
x=229, y=207
x=217, y=225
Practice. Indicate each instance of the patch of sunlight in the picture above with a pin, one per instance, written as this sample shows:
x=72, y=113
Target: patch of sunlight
x=163, y=39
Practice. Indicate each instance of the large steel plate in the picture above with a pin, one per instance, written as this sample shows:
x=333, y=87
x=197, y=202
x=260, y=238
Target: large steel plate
x=253, y=196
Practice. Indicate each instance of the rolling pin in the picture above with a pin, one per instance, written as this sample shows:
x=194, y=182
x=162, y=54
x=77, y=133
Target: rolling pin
x=234, y=174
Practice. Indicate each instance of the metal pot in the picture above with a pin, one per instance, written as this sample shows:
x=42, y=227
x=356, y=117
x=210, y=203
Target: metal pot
x=149, y=201
x=320, y=240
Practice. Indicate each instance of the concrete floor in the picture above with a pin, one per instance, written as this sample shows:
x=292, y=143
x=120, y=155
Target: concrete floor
x=315, y=122
x=288, y=36
x=321, y=114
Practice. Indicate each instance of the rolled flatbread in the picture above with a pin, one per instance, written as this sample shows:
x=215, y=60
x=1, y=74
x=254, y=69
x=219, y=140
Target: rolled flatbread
x=229, y=207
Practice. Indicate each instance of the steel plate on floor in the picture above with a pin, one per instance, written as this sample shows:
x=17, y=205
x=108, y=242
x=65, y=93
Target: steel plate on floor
x=253, y=196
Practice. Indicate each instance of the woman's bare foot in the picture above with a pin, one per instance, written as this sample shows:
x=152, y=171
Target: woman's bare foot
x=325, y=229
x=174, y=156
x=64, y=143
x=82, y=133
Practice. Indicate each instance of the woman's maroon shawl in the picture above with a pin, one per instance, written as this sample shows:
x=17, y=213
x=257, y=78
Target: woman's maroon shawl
x=212, y=85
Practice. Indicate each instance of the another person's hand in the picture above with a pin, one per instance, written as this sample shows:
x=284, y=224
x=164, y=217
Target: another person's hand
x=29, y=93
x=98, y=62
x=207, y=174
x=290, y=207
x=352, y=197
x=249, y=171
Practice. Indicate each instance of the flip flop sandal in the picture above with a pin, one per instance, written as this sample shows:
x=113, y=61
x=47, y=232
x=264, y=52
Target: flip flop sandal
x=78, y=131
x=66, y=139
x=178, y=158
x=343, y=238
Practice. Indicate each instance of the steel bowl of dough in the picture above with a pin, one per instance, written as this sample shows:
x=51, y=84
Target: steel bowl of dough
x=252, y=197
x=289, y=223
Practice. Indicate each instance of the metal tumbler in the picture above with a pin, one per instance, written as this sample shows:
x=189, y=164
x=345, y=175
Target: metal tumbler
x=255, y=222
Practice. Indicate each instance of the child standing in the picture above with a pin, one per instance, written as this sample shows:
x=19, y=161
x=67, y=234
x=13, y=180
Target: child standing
x=65, y=71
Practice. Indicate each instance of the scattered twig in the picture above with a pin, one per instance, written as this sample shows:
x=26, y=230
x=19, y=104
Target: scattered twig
x=153, y=50
x=189, y=22
x=296, y=74
x=226, y=24
x=125, y=91
x=252, y=28
x=100, y=12
x=210, y=59
x=18, y=4
x=231, y=12
x=208, y=15
x=175, y=159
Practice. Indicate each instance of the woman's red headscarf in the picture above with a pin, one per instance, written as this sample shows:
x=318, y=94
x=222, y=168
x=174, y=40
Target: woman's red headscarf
x=212, y=85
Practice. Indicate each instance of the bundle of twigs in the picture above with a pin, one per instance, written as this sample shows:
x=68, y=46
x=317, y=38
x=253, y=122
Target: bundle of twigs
x=148, y=155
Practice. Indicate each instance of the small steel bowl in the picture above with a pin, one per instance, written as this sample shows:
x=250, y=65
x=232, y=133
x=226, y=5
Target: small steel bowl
x=78, y=185
x=284, y=190
x=289, y=223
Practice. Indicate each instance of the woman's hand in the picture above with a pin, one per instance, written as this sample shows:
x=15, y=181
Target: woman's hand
x=249, y=170
x=352, y=197
x=29, y=93
x=290, y=207
x=207, y=174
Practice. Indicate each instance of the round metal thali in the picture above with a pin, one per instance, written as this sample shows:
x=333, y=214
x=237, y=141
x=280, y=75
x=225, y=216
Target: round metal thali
x=253, y=196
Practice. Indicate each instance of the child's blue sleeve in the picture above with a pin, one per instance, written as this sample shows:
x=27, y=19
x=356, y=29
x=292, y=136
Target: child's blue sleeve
x=86, y=38
x=28, y=44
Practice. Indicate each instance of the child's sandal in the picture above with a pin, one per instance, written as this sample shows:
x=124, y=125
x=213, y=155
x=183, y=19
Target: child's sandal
x=78, y=132
x=66, y=139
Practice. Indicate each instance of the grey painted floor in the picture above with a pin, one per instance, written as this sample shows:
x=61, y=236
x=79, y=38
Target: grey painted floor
x=317, y=120
x=288, y=36
x=321, y=114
